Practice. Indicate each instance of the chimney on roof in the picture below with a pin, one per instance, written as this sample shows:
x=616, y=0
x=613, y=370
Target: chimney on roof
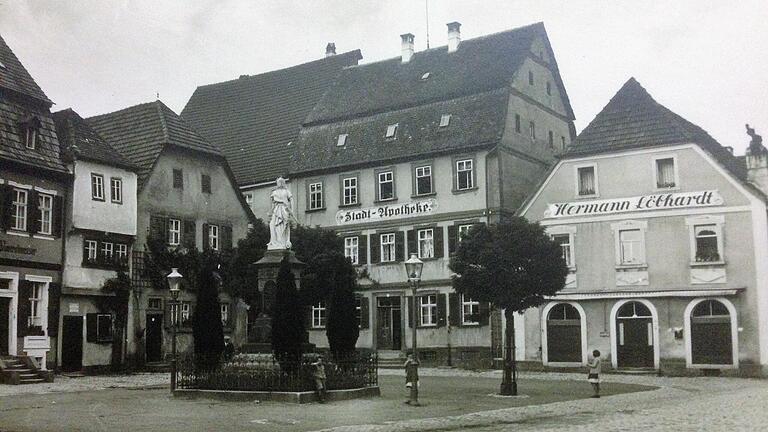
x=407, y=47
x=330, y=49
x=454, y=35
x=757, y=161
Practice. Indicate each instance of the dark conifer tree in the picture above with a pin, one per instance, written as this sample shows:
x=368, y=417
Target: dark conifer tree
x=207, y=328
x=288, y=332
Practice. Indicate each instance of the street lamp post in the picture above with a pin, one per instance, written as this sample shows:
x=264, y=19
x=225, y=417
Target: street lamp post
x=413, y=268
x=174, y=279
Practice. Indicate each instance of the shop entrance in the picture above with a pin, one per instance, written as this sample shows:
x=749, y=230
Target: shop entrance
x=564, y=334
x=388, y=323
x=634, y=327
x=72, y=343
x=5, y=328
x=711, y=334
x=154, y=338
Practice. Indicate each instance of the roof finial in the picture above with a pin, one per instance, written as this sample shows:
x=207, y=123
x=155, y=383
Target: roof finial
x=756, y=143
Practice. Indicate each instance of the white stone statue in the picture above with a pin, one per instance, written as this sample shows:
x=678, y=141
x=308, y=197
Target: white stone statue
x=281, y=217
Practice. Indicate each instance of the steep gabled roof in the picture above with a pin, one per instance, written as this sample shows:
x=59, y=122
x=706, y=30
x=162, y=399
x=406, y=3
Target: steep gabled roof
x=252, y=119
x=141, y=132
x=79, y=140
x=479, y=65
x=14, y=76
x=633, y=119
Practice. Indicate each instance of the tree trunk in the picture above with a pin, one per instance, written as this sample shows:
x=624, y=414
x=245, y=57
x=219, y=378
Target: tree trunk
x=509, y=382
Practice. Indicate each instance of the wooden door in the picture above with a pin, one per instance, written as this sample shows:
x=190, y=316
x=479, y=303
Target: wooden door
x=72, y=343
x=5, y=329
x=384, y=327
x=635, y=342
x=154, y=337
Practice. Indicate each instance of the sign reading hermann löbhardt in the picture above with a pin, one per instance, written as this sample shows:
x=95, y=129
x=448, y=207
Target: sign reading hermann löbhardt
x=386, y=212
x=663, y=201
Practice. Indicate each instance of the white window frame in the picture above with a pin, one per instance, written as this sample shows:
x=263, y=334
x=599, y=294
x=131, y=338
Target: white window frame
x=224, y=308
x=316, y=198
x=116, y=190
x=92, y=246
x=107, y=251
x=532, y=129
x=424, y=171
x=630, y=225
x=121, y=252
x=461, y=230
x=425, y=238
x=37, y=303
x=20, y=212
x=174, y=232
x=716, y=222
x=97, y=187
x=379, y=182
x=186, y=309
x=352, y=249
x=577, y=180
x=570, y=231
x=391, y=131
x=655, y=170
x=349, y=190
x=30, y=137
x=390, y=245
x=319, y=316
x=474, y=308
x=465, y=166
x=45, y=208
x=428, y=310
x=445, y=120
x=213, y=237
x=175, y=313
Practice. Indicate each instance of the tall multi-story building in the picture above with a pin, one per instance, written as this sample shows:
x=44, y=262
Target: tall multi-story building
x=187, y=196
x=100, y=231
x=665, y=233
x=403, y=156
x=255, y=119
x=33, y=187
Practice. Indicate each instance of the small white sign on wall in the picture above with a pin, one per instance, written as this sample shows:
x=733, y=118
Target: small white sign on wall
x=74, y=307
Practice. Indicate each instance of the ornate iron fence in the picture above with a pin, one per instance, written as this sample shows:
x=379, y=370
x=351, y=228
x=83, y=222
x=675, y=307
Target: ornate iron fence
x=262, y=372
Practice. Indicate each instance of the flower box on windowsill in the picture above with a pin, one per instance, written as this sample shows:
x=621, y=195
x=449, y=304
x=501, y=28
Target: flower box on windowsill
x=630, y=267
x=717, y=263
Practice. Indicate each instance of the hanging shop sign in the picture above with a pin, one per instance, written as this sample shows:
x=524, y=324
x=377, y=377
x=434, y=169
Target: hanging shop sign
x=662, y=201
x=386, y=212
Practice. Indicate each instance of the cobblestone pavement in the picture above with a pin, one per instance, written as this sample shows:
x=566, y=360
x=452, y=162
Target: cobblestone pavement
x=680, y=404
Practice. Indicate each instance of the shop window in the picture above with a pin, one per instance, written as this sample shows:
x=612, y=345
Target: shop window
x=351, y=245
x=97, y=187
x=428, y=310
x=319, y=315
x=564, y=334
x=423, y=180
x=711, y=334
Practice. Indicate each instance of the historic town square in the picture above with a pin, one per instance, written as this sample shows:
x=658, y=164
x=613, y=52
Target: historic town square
x=411, y=215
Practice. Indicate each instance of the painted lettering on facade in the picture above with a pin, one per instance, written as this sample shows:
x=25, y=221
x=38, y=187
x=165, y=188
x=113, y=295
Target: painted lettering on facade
x=18, y=250
x=386, y=212
x=664, y=201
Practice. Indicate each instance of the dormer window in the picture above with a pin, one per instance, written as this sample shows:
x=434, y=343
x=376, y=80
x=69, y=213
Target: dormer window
x=30, y=130
x=2, y=66
x=530, y=77
x=445, y=119
x=341, y=141
x=391, y=131
x=425, y=76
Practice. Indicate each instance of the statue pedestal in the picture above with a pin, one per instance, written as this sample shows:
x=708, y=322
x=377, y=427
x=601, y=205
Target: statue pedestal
x=268, y=267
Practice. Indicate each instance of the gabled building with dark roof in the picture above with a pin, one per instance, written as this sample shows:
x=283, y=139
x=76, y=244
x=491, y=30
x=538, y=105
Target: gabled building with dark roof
x=255, y=118
x=403, y=155
x=666, y=236
x=101, y=211
x=187, y=198
x=33, y=186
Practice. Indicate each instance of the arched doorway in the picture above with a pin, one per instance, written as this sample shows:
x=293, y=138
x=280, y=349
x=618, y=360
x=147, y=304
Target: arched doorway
x=564, y=334
x=634, y=336
x=711, y=333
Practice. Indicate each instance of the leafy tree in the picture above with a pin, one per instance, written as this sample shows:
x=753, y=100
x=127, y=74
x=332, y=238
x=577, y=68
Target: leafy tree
x=207, y=329
x=288, y=331
x=513, y=265
x=117, y=304
x=240, y=273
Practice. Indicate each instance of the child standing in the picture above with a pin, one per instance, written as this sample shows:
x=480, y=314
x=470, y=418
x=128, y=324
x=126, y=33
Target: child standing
x=410, y=372
x=594, y=373
x=319, y=375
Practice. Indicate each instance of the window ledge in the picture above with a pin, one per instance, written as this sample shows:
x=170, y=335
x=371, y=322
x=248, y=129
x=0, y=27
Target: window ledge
x=316, y=328
x=461, y=191
x=357, y=204
x=17, y=233
x=621, y=267
x=314, y=210
x=43, y=237
x=425, y=195
x=426, y=326
x=470, y=324
x=707, y=263
x=386, y=201
x=667, y=189
x=590, y=196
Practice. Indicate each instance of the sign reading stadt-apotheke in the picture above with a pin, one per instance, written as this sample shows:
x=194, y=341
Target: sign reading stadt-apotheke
x=386, y=212
x=662, y=201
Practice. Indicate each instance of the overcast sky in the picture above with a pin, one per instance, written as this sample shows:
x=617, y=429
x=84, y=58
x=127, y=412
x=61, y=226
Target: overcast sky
x=705, y=60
